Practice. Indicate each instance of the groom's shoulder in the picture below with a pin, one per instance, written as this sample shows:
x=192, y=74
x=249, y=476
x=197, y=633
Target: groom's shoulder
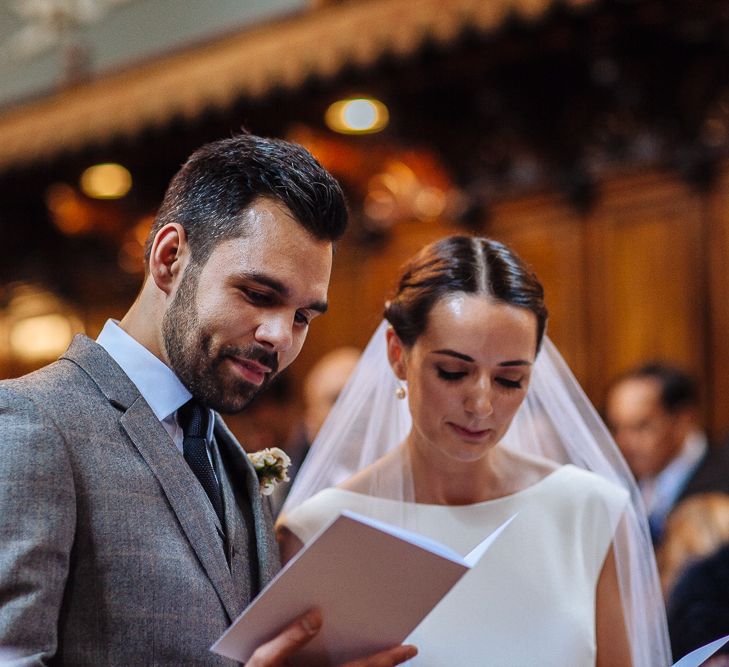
x=57, y=382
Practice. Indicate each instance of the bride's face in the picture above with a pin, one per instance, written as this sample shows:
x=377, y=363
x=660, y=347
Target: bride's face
x=467, y=375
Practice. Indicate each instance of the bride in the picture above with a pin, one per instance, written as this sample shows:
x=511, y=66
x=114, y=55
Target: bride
x=479, y=420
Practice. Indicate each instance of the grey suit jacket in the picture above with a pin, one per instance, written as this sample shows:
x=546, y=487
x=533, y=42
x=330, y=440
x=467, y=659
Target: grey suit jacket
x=110, y=553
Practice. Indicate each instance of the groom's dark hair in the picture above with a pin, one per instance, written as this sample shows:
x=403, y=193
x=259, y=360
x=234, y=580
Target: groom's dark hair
x=222, y=179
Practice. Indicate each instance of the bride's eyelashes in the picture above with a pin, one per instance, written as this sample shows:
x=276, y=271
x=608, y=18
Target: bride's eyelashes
x=450, y=376
x=509, y=384
x=454, y=376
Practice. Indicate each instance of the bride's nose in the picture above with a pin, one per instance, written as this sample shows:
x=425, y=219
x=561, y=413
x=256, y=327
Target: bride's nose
x=478, y=399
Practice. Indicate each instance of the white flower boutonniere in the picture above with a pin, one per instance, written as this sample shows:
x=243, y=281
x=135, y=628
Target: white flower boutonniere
x=271, y=465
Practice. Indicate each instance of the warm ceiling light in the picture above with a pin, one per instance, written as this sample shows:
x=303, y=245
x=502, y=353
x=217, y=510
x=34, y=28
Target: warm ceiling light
x=69, y=211
x=37, y=325
x=360, y=115
x=41, y=336
x=106, y=181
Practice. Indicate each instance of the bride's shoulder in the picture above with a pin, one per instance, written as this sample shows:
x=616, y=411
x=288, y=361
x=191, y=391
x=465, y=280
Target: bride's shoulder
x=525, y=470
x=386, y=476
x=359, y=482
x=304, y=521
x=584, y=488
x=567, y=480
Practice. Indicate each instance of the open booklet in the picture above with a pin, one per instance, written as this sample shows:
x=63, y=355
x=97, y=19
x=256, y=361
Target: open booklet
x=373, y=582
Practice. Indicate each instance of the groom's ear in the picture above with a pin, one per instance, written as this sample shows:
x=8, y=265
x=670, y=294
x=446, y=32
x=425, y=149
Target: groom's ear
x=168, y=257
x=396, y=354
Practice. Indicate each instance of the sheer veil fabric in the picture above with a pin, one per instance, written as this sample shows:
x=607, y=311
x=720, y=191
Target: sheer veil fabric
x=556, y=422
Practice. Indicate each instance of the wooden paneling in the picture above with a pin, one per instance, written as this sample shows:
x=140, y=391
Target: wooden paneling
x=645, y=277
x=717, y=362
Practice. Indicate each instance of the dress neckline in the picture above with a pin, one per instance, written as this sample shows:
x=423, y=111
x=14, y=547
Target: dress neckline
x=549, y=477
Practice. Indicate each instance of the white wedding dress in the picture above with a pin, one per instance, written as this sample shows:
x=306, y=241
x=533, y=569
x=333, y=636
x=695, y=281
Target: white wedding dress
x=531, y=600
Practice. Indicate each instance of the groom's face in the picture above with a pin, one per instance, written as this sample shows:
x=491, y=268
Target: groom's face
x=242, y=317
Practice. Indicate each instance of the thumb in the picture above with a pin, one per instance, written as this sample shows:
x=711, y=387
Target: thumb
x=290, y=640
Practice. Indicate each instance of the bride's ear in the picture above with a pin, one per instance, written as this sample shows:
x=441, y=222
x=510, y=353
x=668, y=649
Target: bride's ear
x=396, y=354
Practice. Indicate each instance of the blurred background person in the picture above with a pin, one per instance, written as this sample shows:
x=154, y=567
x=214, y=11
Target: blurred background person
x=323, y=384
x=321, y=388
x=653, y=412
x=273, y=418
x=277, y=418
x=695, y=528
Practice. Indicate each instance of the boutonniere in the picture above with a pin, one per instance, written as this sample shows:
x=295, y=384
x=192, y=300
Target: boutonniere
x=271, y=465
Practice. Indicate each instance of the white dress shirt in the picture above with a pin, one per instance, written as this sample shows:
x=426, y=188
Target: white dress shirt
x=156, y=381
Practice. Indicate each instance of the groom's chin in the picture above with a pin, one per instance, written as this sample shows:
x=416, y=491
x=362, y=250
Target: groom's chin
x=233, y=399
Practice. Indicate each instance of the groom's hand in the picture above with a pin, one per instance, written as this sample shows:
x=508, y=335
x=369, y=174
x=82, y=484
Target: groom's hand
x=276, y=652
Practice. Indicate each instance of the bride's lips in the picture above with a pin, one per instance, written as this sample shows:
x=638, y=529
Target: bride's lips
x=251, y=371
x=469, y=434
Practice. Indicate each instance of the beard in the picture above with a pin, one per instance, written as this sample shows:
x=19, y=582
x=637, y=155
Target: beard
x=199, y=367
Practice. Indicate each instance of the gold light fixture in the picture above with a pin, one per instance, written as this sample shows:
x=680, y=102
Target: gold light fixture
x=36, y=326
x=106, y=181
x=357, y=115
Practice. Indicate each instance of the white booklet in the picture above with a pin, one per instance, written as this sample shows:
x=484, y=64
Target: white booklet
x=373, y=582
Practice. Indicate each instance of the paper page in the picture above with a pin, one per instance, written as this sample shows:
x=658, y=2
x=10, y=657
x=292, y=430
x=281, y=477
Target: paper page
x=701, y=655
x=470, y=559
x=414, y=538
x=475, y=555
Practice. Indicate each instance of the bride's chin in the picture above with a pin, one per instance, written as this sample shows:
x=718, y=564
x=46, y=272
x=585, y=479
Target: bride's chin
x=466, y=453
x=450, y=450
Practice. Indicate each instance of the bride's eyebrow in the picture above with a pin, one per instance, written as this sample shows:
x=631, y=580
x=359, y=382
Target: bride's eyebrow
x=453, y=353
x=465, y=357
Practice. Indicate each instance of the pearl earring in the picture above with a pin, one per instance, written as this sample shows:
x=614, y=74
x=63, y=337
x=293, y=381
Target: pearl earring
x=401, y=392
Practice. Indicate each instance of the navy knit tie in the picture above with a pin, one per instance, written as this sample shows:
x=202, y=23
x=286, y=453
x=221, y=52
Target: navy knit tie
x=193, y=420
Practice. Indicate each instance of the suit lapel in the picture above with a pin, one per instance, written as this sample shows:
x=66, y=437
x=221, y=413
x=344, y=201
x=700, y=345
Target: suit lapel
x=244, y=474
x=185, y=495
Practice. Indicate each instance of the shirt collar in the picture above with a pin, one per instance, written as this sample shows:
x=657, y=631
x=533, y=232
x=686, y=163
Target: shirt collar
x=694, y=448
x=156, y=381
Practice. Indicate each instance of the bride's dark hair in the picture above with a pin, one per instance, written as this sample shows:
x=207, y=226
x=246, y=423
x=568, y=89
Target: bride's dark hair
x=468, y=264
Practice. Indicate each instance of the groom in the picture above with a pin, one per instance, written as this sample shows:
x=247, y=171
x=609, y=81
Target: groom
x=132, y=530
